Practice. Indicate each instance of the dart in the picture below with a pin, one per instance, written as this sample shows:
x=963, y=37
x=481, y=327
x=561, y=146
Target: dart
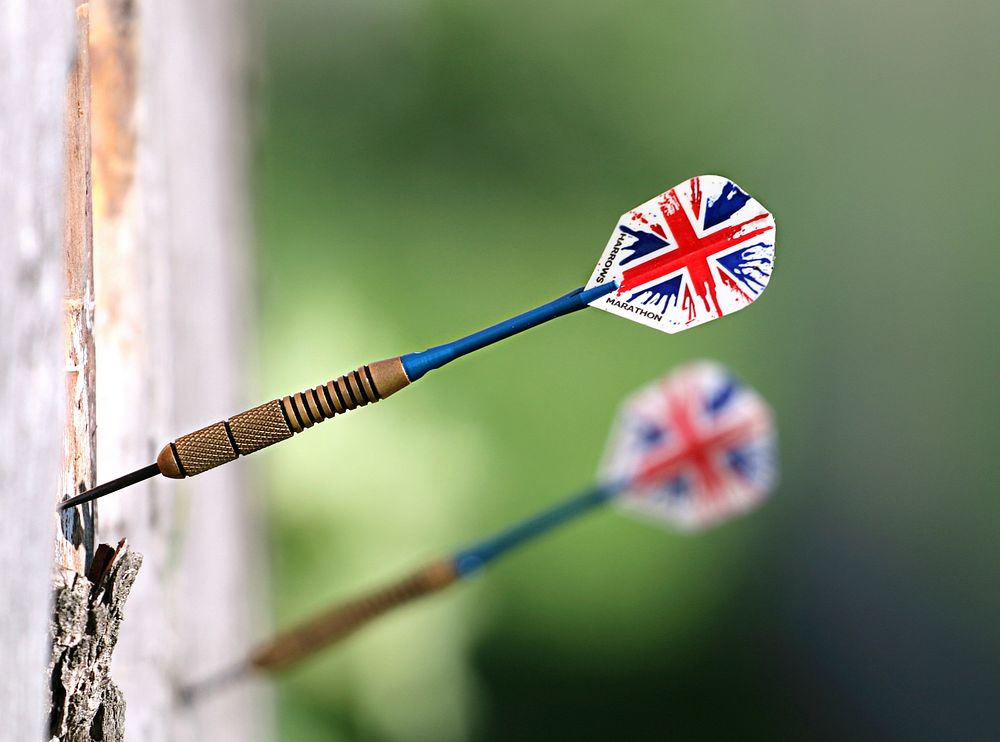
x=688, y=451
x=697, y=252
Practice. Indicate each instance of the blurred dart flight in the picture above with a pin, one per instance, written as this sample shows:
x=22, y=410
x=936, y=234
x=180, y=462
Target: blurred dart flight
x=690, y=450
x=695, y=253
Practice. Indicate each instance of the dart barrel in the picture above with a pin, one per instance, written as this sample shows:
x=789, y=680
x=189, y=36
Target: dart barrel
x=344, y=619
x=279, y=419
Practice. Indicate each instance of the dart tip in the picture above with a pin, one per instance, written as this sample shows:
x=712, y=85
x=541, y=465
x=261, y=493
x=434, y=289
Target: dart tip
x=113, y=486
x=192, y=692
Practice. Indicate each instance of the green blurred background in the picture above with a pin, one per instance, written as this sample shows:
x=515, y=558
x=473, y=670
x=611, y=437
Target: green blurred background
x=427, y=167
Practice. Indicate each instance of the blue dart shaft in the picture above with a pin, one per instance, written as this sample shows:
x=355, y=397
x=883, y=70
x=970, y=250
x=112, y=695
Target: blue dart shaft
x=478, y=555
x=345, y=618
x=262, y=426
x=419, y=363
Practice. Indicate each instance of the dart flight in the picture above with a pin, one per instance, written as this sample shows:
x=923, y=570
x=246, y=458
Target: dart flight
x=700, y=251
x=689, y=451
x=695, y=253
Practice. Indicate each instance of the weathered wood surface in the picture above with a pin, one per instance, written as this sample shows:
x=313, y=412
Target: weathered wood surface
x=172, y=265
x=36, y=42
x=76, y=547
x=89, y=591
x=170, y=324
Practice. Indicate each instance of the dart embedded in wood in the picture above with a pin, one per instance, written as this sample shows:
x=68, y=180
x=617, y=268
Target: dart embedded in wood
x=691, y=450
x=700, y=251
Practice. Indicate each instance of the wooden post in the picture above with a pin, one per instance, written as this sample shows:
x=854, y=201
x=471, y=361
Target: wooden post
x=36, y=42
x=171, y=264
x=91, y=584
x=76, y=547
x=165, y=311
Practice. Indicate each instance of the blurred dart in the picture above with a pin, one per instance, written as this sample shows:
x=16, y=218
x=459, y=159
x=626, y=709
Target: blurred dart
x=691, y=450
x=695, y=253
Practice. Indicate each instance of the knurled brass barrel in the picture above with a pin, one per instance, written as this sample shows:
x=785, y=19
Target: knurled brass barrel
x=279, y=419
x=344, y=619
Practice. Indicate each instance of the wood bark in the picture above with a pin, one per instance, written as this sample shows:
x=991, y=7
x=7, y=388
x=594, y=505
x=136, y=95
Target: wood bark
x=36, y=43
x=85, y=705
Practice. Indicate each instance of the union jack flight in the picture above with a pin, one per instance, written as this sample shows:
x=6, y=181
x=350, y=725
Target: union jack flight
x=700, y=251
